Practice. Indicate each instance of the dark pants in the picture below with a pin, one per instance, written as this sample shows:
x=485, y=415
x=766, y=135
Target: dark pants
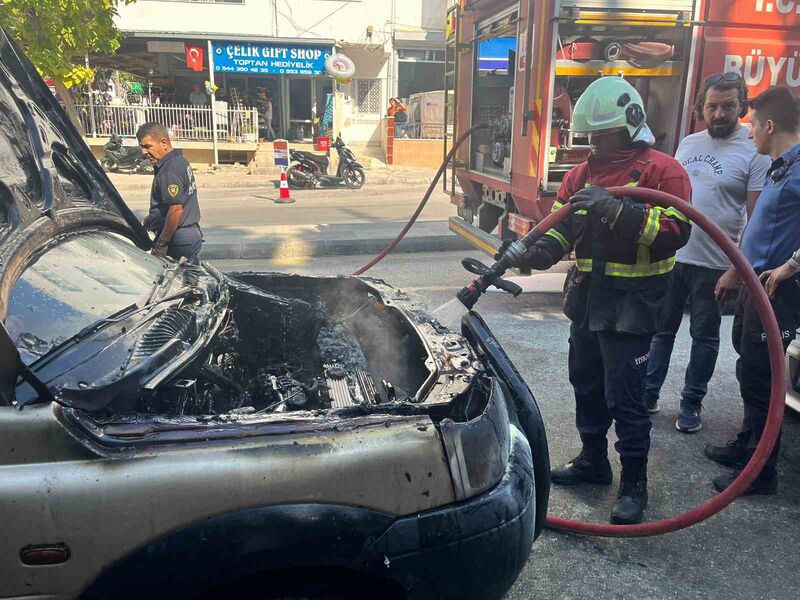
x=606, y=369
x=186, y=241
x=695, y=284
x=752, y=367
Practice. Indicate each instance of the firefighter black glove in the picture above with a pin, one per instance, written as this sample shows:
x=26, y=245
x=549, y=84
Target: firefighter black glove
x=501, y=250
x=600, y=204
x=538, y=258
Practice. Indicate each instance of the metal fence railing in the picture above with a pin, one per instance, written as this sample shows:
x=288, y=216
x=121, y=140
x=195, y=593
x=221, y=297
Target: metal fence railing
x=185, y=122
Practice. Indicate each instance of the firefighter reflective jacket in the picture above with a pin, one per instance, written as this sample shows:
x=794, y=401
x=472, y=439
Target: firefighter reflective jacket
x=620, y=276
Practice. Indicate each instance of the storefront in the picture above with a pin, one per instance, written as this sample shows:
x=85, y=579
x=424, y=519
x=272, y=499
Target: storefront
x=292, y=74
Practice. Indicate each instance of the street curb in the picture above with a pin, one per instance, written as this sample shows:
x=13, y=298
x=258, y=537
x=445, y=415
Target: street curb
x=280, y=249
x=267, y=181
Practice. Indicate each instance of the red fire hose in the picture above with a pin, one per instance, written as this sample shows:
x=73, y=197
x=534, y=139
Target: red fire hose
x=382, y=254
x=774, y=344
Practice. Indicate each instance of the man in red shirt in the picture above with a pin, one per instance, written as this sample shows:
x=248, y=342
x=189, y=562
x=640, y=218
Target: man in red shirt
x=624, y=252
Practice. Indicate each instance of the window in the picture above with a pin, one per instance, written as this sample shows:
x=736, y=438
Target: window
x=369, y=96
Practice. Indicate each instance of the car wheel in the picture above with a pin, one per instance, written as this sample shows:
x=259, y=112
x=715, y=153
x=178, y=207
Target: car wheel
x=354, y=177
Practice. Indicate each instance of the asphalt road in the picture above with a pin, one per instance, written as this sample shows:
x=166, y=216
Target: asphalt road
x=253, y=207
x=749, y=551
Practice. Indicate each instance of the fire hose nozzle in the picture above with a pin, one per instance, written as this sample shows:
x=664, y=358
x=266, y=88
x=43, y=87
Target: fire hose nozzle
x=488, y=276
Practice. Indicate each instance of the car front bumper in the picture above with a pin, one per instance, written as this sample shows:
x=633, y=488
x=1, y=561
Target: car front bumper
x=474, y=549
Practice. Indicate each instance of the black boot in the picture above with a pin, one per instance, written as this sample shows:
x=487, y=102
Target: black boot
x=632, y=496
x=590, y=466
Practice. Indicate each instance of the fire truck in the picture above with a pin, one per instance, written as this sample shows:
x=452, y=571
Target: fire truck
x=520, y=66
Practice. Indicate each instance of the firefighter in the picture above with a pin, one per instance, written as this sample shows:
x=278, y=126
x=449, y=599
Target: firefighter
x=625, y=251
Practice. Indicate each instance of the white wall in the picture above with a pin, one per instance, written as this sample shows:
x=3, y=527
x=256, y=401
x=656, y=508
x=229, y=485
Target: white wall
x=425, y=14
x=369, y=65
x=329, y=19
x=335, y=19
x=254, y=17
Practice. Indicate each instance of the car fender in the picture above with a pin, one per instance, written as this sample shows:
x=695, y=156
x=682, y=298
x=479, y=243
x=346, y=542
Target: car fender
x=474, y=328
x=239, y=545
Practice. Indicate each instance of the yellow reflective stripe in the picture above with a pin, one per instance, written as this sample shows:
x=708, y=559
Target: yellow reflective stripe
x=629, y=184
x=624, y=270
x=557, y=204
x=674, y=212
x=640, y=270
x=650, y=230
x=561, y=239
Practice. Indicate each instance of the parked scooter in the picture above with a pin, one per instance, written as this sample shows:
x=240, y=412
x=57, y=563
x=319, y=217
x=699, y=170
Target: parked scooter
x=308, y=168
x=118, y=157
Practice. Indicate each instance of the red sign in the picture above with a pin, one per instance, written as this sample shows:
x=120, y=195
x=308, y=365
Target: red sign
x=779, y=13
x=280, y=150
x=763, y=57
x=194, y=58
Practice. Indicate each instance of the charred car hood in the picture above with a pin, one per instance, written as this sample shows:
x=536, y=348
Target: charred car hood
x=46, y=169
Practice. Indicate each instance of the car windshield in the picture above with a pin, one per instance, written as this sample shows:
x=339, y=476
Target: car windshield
x=82, y=279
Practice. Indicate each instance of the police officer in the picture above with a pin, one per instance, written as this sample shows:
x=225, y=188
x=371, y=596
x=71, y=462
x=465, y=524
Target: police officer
x=174, y=215
x=625, y=251
x=771, y=243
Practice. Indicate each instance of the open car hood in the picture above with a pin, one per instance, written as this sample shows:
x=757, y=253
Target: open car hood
x=45, y=166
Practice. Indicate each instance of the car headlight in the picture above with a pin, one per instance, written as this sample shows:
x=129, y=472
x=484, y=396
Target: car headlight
x=478, y=449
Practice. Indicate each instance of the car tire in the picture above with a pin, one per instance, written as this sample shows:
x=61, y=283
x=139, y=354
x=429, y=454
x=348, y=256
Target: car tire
x=354, y=177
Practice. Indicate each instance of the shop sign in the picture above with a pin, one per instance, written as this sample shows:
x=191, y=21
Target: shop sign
x=269, y=59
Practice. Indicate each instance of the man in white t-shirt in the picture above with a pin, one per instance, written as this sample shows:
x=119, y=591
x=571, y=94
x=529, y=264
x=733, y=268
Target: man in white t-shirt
x=727, y=176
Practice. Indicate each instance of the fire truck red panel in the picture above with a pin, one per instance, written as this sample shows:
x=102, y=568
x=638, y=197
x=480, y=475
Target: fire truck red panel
x=762, y=57
x=773, y=13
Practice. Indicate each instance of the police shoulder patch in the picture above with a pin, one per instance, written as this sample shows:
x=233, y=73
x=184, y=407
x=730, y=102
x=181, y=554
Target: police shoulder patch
x=173, y=189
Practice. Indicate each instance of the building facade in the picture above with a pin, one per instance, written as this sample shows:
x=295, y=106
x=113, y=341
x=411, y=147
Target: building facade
x=248, y=47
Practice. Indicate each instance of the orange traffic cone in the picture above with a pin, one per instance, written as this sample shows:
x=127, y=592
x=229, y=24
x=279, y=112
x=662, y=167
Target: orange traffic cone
x=284, y=197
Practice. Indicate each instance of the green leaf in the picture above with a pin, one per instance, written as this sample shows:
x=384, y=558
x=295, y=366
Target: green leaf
x=58, y=34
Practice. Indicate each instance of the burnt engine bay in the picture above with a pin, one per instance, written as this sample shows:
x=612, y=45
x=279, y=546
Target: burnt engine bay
x=306, y=344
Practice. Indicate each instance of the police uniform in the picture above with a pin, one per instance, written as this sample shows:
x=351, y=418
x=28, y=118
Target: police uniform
x=174, y=183
x=614, y=292
x=771, y=238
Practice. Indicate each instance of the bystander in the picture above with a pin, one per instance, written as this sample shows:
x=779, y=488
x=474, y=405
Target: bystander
x=727, y=175
x=771, y=244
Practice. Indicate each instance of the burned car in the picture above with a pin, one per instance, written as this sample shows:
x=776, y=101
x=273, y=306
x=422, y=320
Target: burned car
x=170, y=431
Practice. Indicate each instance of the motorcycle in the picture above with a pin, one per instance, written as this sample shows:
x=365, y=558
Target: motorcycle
x=308, y=168
x=119, y=156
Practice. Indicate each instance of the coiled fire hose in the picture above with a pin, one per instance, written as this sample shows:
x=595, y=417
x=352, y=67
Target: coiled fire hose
x=774, y=345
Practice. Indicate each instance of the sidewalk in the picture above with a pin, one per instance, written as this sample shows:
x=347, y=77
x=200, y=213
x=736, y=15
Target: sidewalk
x=238, y=178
